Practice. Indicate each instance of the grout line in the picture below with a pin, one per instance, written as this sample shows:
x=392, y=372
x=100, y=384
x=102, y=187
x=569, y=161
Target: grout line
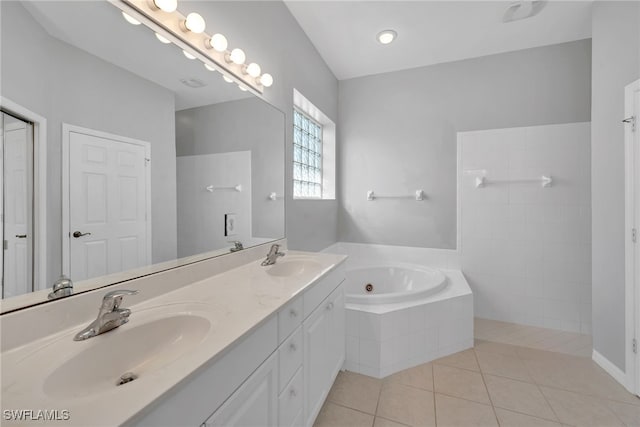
x=486, y=388
x=342, y=405
x=435, y=407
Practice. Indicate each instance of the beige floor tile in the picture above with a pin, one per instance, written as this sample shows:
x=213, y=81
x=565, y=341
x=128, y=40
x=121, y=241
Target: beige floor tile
x=451, y=411
x=518, y=396
x=495, y=347
x=406, y=405
x=577, y=409
x=420, y=376
x=503, y=365
x=628, y=414
x=514, y=419
x=356, y=391
x=463, y=359
x=333, y=415
x=383, y=422
x=460, y=383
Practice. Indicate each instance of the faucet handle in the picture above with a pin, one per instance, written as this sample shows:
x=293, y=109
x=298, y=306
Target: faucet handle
x=113, y=299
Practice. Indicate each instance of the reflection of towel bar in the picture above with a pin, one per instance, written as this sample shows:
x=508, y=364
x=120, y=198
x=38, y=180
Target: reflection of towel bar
x=211, y=188
x=545, y=180
x=418, y=195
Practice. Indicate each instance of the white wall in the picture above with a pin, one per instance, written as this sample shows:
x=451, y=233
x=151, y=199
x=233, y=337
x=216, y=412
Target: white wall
x=270, y=35
x=526, y=250
x=616, y=63
x=201, y=214
x=67, y=85
x=397, y=133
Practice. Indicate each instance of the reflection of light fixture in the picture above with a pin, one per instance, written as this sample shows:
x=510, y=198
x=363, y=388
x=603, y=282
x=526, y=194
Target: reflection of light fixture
x=252, y=69
x=188, y=55
x=522, y=10
x=168, y=6
x=162, y=39
x=227, y=79
x=194, y=23
x=242, y=87
x=386, y=36
x=130, y=20
x=266, y=80
x=236, y=56
x=209, y=67
x=218, y=42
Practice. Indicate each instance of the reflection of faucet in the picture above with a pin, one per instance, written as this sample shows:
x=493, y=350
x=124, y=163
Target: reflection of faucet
x=109, y=317
x=272, y=256
x=237, y=246
x=63, y=287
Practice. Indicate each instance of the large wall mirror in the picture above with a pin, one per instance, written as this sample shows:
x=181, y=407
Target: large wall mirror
x=121, y=156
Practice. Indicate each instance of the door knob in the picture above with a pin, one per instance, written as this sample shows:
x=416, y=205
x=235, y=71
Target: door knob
x=77, y=234
x=21, y=236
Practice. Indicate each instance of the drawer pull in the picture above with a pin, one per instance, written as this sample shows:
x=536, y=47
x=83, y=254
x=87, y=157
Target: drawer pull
x=293, y=392
x=293, y=347
x=293, y=313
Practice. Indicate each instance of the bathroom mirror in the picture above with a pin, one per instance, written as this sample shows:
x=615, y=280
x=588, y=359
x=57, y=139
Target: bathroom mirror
x=121, y=156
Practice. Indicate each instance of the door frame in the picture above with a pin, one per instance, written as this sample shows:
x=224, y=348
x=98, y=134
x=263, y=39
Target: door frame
x=632, y=250
x=39, y=188
x=67, y=129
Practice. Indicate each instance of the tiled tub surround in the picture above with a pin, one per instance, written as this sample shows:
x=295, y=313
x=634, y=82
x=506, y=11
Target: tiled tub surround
x=233, y=292
x=525, y=249
x=386, y=338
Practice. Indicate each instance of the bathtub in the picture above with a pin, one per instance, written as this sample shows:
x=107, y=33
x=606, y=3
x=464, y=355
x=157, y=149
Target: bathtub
x=392, y=283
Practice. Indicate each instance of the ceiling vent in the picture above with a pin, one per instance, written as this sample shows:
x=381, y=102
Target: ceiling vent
x=523, y=10
x=194, y=83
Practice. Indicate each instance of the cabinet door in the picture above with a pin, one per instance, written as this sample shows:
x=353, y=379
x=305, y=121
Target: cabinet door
x=255, y=403
x=337, y=333
x=316, y=333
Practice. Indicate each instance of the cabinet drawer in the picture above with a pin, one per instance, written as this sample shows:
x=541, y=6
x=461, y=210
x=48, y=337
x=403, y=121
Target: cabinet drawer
x=320, y=290
x=290, y=401
x=290, y=357
x=289, y=318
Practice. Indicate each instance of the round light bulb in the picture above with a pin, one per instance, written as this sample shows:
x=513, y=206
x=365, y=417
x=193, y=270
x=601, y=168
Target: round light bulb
x=194, y=23
x=188, y=55
x=266, y=80
x=237, y=56
x=130, y=20
x=386, y=36
x=162, y=39
x=253, y=69
x=227, y=79
x=218, y=42
x=209, y=67
x=243, y=88
x=166, y=5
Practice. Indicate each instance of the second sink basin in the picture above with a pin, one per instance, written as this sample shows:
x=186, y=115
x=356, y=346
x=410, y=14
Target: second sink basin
x=137, y=349
x=293, y=266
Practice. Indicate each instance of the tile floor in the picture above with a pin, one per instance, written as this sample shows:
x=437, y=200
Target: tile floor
x=493, y=384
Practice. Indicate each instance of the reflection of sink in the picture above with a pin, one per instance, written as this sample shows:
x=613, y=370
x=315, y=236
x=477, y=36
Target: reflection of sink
x=140, y=350
x=293, y=266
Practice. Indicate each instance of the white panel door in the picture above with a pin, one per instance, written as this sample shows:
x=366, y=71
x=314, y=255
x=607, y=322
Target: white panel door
x=108, y=216
x=18, y=258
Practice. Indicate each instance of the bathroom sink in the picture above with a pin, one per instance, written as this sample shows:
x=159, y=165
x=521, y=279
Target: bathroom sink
x=137, y=349
x=293, y=266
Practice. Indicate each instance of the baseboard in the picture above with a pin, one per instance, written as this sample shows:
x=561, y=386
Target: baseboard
x=611, y=369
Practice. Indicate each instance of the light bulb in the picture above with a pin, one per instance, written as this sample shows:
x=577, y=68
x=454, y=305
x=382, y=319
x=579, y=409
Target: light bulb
x=162, y=39
x=266, y=80
x=218, y=42
x=243, y=88
x=166, y=5
x=237, y=56
x=130, y=20
x=227, y=79
x=386, y=36
x=188, y=55
x=209, y=67
x=252, y=69
x=194, y=23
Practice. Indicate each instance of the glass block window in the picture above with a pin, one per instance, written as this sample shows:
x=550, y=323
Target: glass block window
x=307, y=157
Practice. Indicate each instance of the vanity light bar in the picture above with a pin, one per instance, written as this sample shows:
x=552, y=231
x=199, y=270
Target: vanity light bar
x=173, y=27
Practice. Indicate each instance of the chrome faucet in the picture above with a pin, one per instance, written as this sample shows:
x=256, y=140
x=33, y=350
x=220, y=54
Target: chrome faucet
x=237, y=246
x=272, y=256
x=109, y=317
x=63, y=287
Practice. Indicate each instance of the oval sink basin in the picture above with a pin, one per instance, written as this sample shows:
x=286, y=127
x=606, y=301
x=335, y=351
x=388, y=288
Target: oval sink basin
x=293, y=267
x=138, y=349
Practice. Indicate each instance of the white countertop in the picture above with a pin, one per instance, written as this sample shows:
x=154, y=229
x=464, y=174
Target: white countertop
x=235, y=302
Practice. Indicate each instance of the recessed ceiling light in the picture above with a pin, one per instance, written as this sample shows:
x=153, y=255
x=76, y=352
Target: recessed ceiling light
x=386, y=36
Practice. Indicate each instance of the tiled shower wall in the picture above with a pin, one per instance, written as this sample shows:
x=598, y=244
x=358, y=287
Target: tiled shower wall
x=526, y=249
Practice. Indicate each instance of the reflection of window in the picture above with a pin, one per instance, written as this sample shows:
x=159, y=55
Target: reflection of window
x=307, y=157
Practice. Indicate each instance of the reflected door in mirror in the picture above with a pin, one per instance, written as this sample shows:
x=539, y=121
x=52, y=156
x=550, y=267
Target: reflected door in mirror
x=109, y=216
x=17, y=167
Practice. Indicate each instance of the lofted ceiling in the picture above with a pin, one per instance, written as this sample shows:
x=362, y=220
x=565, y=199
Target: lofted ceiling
x=429, y=32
